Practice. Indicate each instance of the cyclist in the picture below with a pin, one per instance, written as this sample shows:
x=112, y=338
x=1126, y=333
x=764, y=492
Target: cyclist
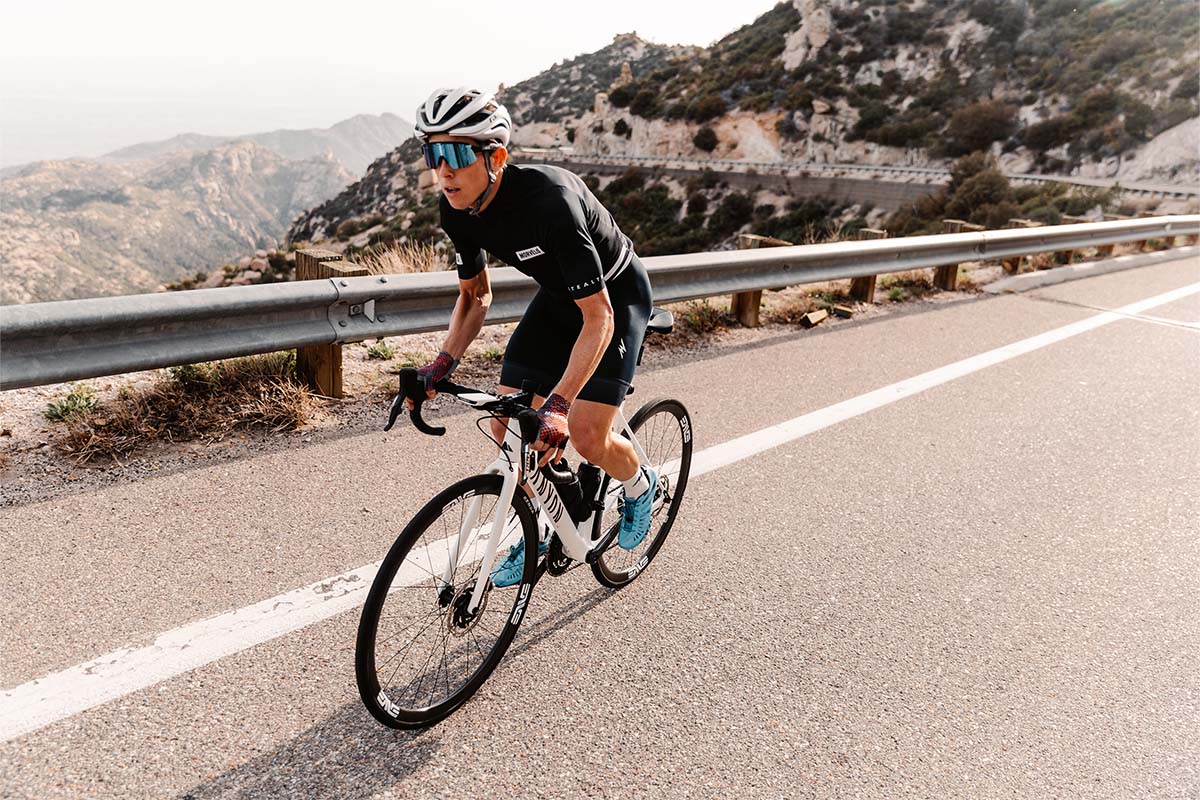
x=579, y=339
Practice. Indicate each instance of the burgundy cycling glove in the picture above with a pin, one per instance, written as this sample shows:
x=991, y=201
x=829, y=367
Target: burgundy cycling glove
x=552, y=419
x=438, y=369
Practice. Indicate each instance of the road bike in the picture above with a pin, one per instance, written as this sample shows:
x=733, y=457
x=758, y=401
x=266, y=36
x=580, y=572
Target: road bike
x=434, y=624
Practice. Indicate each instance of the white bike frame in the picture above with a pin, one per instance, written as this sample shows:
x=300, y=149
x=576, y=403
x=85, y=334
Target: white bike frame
x=576, y=540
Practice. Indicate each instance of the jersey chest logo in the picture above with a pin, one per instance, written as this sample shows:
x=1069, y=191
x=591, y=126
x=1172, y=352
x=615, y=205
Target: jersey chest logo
x=532, y=252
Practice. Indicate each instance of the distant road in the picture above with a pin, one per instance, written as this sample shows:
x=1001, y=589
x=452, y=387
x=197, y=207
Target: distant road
x=860, y=171
x=969, y=566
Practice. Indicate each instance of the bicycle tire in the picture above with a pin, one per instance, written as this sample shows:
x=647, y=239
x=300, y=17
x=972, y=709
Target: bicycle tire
x=442, y=611
x=616, y=568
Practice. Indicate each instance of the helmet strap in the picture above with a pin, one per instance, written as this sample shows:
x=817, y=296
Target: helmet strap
x=477, y=206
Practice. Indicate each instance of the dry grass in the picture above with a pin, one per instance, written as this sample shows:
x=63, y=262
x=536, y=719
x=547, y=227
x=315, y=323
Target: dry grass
x=790, y=311
x=199, y=401
x=402, y=258
x=913, y=283
x=699, y=317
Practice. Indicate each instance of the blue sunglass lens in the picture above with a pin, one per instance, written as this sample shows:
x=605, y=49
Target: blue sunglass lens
x=456, y=154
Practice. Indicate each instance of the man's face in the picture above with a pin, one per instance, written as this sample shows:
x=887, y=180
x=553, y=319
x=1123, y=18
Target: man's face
x=462, y=186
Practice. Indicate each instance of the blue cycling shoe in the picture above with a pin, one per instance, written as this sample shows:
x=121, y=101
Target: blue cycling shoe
x=635, y=514
x=510, y=570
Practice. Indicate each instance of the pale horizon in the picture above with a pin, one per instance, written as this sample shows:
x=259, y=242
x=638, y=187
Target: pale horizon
x=80, y=80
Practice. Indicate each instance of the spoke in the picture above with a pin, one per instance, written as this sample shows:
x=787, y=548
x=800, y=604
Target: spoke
x=403, y=652
x=411, y=625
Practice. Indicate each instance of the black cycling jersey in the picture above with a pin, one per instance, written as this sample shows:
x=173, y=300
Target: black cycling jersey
x=547, y=223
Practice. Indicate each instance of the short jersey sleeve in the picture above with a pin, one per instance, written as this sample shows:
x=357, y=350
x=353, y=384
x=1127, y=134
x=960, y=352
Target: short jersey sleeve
x=469, y=259
x=570, y=244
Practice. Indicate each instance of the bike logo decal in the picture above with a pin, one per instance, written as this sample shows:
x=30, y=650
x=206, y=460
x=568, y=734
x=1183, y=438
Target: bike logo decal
x=687, y=429
x=531, y=252
x=521, y=601
x=549, y=497
x=387, y=705
x=638, y=567
x=457, y=500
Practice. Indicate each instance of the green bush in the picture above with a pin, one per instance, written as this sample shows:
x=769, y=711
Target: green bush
x=645, y=104
x=705, y=139
x=734, y=211
x=381, y=350
x=697, y=203
x=976, y=126
x=80, y=399
x=985, y=188
x=621, y=96
x=707, y=107
x=622, y=128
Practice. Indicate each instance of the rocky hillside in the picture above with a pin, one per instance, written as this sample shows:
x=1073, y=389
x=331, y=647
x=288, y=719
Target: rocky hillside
x=1100, y=89
x=83, y=228
x=354, y=142
x=1049, y=86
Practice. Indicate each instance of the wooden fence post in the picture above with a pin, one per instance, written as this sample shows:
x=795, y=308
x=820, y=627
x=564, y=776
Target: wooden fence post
x=745, y=305
x=320, y=366
x=1068, y=256
x=863, y=289
x=1012, y=264
x=945, y=277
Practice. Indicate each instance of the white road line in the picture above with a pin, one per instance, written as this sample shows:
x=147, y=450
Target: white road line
x=63, y=694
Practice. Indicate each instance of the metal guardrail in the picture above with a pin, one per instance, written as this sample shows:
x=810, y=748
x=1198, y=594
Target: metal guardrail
x=44, y=343
x=930, y=175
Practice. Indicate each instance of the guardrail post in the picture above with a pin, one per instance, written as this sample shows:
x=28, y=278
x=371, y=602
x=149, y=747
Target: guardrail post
x=745, y=305
x=1068, y=256
x=1013, y=264
x=320, y=366
x=863, y=289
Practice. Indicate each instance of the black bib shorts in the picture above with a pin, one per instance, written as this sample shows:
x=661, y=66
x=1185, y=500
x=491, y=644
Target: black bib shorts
x=541, y=345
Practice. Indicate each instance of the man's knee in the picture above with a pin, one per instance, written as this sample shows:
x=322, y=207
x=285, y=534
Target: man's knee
x=590, y=440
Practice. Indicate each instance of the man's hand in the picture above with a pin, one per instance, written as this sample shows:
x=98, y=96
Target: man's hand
x=436, y=370
x=552, y=429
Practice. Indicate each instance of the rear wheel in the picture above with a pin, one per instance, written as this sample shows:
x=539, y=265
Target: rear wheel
x=421, y=651
x=665, y=431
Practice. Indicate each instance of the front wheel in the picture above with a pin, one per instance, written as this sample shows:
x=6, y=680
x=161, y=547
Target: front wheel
x=664, y=430
x=421, y=649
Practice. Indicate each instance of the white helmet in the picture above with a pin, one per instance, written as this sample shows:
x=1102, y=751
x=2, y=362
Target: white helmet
x=466, y=112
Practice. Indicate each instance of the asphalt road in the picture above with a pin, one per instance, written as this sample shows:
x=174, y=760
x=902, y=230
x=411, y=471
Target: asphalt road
x=987, y=589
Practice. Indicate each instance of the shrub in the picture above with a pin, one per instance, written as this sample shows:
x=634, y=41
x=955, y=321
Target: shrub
x=985, y=188
x=700, y=317
x=707, y=107
x=976, y=126
x=198, y=400
x=79, y=400
x=734, y=211
x=621, y=96
x=622, y=128
x=705, y=139
x=697, y=203
x=645, y=104
x=381, y=350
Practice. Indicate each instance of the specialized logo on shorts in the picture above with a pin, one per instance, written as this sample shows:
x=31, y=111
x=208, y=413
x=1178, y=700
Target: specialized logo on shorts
x=621, y=348
x=532, y=252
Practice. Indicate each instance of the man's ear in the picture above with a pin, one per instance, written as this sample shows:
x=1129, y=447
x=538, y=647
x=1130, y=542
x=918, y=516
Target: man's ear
x=499, y=157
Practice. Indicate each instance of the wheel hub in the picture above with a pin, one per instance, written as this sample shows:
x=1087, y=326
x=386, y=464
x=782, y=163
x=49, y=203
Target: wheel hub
x=461, y=620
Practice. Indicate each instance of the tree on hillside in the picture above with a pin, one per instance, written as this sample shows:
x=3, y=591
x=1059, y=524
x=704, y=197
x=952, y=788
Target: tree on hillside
x=976, y=126
x=705, y=139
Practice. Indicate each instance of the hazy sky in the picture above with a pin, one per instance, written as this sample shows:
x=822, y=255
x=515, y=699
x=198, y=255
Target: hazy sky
x=83, y=78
